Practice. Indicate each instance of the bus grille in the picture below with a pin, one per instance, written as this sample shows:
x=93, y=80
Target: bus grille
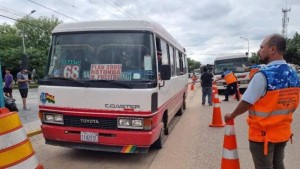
x=88, y=122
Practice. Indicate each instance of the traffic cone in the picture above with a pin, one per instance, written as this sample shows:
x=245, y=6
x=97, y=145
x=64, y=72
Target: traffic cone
x=215, y=97
x=192, y=86
x=15, y=148
x=230, y=158
x=217, y=116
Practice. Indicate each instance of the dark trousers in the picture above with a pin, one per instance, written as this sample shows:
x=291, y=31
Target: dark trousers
x=232, y=88
x=274, y=158
x=206, y=91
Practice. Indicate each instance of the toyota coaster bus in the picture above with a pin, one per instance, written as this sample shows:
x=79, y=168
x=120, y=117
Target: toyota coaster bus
x=105, y=90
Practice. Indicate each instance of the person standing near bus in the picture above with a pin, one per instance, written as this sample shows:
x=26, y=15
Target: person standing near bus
x=231, y=82
x=206, y=83
x=23, y=83
x=271, y=98
x=8, y=87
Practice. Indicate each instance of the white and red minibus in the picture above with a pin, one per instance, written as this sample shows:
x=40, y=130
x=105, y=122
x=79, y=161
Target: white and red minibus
x=104, y=88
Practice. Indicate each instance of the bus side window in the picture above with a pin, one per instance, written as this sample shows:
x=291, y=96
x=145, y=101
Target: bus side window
x=172, y=60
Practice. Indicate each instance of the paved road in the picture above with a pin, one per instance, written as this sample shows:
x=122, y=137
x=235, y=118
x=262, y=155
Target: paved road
x=191, y=144
x=31, y=115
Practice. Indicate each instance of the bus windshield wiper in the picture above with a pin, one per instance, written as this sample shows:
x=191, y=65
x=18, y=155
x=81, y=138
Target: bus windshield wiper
x=69, y=79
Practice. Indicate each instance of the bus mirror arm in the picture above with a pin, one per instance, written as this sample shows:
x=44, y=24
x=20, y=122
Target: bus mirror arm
x=161, y=85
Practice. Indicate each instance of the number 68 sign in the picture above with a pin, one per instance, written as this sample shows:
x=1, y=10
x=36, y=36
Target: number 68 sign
x=71, y=71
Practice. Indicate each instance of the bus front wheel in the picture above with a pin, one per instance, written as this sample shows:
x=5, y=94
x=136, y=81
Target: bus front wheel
x=158, y=143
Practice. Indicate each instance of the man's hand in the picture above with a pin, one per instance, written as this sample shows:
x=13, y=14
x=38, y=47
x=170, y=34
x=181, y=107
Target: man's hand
x=228, y=116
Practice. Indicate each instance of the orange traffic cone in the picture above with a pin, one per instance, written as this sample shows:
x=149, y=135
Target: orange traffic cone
x=216, y=96
x=214, y=90
x=217, y=116
x=230, y=158
x=192, y=86
x=15, y=148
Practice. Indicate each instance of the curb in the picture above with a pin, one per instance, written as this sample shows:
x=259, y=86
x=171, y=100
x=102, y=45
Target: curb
x=33, y=133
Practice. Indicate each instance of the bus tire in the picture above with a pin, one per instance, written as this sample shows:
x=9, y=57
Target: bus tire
x=181, y=109
x=158, y=143
x=165, y=120
x=184, y=103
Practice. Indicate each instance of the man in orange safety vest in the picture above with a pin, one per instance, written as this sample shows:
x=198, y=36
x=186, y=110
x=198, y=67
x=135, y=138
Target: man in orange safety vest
x=271, y=98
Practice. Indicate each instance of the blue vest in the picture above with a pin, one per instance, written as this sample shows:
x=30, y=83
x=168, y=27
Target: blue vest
x=280, y=76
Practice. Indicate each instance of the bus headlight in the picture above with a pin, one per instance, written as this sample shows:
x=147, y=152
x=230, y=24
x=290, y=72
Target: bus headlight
x=53, y=118
x=123, y=122
x=130, y=123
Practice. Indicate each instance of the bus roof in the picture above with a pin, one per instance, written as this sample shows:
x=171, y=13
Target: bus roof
x=231, y=57
x=115, y=25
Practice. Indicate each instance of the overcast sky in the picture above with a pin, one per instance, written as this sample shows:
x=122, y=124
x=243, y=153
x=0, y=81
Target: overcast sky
x=206, y=28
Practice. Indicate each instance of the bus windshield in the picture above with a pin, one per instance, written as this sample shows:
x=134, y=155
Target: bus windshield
x=236, y=65
x=97, y=56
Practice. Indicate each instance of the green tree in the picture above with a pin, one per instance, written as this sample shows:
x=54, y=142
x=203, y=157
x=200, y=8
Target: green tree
x=254, y=57
x=292, y=53
x=10, y=45
x=192, y=64
x=37, y=33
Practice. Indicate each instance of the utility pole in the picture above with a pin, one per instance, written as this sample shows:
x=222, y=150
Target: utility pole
x=248, y=44
x=23, y=35
x=285, y=21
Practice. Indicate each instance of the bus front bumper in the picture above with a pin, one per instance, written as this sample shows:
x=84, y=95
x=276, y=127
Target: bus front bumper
x=122, y=141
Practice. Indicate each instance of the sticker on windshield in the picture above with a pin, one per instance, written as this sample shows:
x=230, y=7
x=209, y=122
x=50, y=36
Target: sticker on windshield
x=136, y=76
x=71, y=71
x=105, y=71
x=147, y=62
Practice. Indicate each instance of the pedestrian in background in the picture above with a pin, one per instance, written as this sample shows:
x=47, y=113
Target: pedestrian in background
x=231, y=82
x=206, y=83
x=271, y=98
x=8, y=87
x=23, y=84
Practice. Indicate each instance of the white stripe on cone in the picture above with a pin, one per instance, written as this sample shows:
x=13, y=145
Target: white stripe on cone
x=230, y=154
x=216, y=104
x=229, y=130
x=12, y=138
x=30, y=163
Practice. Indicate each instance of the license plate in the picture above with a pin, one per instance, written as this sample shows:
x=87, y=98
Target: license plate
x=89, y=137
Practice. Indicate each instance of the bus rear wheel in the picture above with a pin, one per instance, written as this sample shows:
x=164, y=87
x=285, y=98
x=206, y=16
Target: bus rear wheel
x=181, y=109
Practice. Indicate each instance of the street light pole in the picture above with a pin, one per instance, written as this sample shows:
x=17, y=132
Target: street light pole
x=23, y=36
x=248, y=44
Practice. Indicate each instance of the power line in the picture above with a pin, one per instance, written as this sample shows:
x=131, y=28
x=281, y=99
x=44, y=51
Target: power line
x=107, y=11
x=129, y=12
x=2, y=8
x=52, y=10
x=73, y=6
x=21, y=21
x=119, y=8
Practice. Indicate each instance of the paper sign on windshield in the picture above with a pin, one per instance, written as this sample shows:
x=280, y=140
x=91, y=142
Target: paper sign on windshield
x=105, y=71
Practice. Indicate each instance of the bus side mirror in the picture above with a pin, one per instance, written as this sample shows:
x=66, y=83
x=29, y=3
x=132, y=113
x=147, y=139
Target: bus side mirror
x=165, y=72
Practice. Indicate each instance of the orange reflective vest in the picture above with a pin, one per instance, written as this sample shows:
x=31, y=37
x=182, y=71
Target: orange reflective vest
x=229, y=78
x=270, y=117
x=252, y=72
